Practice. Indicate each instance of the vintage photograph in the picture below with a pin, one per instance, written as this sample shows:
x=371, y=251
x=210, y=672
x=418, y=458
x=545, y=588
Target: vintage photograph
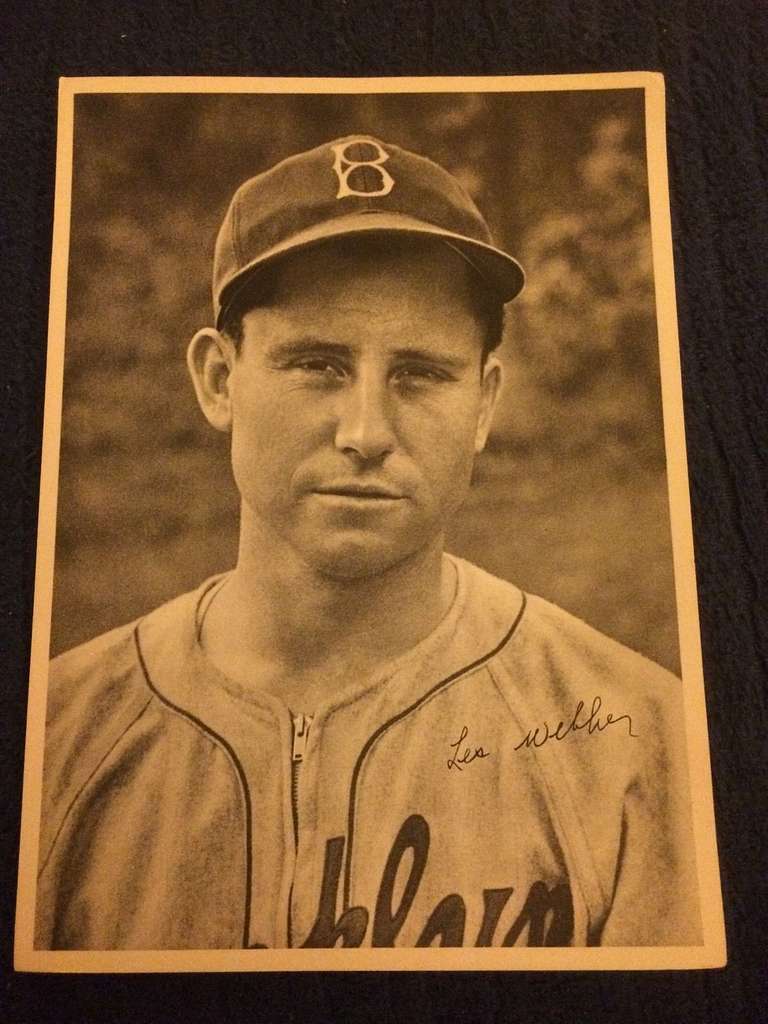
x=366, y=611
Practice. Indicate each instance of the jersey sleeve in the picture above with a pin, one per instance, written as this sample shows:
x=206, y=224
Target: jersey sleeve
x=655, y=899
x=620, y=788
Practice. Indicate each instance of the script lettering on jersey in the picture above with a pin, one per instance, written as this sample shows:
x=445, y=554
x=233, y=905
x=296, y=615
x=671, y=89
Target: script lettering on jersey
x=546, y=913
x=466, y=755
x=592, y=723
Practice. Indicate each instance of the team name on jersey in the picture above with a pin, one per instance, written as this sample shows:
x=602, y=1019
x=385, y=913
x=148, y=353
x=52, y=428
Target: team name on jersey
x=546, y=913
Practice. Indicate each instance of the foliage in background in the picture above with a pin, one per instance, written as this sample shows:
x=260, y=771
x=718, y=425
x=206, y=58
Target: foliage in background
x=570, y=499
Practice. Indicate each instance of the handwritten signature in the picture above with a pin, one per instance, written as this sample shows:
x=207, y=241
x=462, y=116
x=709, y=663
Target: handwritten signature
x=466, y=756
x=592, y=723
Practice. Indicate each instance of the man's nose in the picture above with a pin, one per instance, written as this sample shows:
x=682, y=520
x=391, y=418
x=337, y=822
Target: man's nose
x=364, y=426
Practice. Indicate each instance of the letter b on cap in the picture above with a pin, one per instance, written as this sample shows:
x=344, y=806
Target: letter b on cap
x=377, y=182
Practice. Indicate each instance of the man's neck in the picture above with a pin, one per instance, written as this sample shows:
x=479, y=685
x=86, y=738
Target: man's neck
x=279, y=626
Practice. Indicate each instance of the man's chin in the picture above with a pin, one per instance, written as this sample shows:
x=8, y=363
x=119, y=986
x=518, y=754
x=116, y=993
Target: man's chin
x=355, y=559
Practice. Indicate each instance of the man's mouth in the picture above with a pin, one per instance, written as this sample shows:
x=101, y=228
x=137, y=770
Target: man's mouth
x=370, y=492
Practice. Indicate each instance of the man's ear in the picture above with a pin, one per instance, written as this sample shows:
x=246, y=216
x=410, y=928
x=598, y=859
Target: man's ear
x=210, y=358
x=490, y=389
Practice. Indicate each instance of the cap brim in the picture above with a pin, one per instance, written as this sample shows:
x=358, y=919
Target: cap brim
x=500, y=271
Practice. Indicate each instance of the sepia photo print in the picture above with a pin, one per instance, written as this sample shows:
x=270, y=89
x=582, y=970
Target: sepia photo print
x=365, y=629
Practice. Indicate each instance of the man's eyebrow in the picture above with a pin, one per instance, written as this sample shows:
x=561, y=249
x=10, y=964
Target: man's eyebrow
x=307, y=345
x=448, y=359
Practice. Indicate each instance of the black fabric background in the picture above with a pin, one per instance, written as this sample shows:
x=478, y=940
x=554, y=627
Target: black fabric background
x=713, y=55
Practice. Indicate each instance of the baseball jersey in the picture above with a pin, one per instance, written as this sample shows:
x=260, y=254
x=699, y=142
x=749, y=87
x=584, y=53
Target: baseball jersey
x=515, y=779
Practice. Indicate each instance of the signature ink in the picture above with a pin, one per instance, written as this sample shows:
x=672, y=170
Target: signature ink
x=592, y=723
x=467, y=756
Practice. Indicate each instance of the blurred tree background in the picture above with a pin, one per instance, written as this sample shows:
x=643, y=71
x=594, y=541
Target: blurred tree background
x=570, y=498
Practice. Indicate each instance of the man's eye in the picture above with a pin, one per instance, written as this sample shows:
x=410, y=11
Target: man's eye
x=418, y=374
x=320, y=367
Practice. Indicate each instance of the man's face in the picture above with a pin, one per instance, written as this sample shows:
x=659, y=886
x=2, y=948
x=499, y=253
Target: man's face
x=358, y=403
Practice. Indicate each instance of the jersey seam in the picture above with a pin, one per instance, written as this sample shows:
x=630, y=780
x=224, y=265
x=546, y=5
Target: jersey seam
x=466, y=672
x=555, y=803
x=86, y=783
x=239, y=771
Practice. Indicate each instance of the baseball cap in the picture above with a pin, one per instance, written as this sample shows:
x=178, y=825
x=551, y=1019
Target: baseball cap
x=350, y=186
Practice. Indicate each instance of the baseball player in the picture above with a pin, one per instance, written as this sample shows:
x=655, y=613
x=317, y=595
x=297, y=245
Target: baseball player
x=354, y=738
